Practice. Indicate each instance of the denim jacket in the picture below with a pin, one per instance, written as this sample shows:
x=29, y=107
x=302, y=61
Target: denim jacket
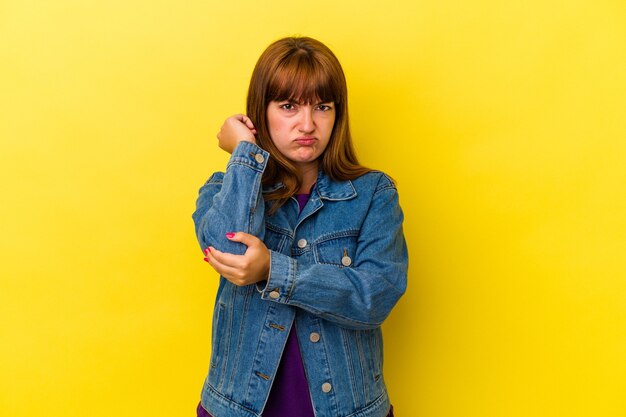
x=336, y=271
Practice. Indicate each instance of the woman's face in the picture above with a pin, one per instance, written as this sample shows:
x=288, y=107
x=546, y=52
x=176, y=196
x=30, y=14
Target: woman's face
x=301, y=131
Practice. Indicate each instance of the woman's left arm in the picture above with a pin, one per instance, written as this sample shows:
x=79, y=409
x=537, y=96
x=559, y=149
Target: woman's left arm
x=362, y=295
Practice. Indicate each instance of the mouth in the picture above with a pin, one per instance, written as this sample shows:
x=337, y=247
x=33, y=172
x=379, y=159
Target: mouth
x=305, y=140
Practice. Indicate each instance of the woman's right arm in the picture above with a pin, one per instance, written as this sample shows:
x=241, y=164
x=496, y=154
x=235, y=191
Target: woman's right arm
x=232, y=201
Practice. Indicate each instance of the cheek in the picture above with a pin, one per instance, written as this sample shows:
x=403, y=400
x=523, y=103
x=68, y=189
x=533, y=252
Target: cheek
x=279, y=134
x=276, y=126
x=330, y=124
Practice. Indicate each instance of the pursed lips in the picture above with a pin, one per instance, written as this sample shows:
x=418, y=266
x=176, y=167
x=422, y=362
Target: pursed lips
x=306, y=140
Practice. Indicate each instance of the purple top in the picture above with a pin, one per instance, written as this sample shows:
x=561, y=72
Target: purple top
x=290, y=392
x=289, y=395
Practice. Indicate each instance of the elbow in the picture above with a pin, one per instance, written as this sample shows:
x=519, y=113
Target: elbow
x=211, y=230
x=372, y=315
x=363, y=323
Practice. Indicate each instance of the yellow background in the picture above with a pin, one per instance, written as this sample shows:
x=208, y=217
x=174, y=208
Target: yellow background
x=504, y=124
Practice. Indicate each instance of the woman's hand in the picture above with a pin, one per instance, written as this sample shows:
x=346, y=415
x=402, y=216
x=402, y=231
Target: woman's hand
x=234, y=130
x=251, y=267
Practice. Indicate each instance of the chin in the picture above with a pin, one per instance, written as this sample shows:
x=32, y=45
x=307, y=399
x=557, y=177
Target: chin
x=304, y=158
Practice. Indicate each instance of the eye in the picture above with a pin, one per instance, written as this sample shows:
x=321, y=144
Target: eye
x=287, y=106
x=323, y=107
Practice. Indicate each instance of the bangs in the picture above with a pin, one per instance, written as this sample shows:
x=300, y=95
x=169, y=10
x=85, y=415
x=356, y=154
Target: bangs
x=302, y=79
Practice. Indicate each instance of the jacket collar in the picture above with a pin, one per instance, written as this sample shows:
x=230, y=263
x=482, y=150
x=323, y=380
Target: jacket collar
x=327, y=188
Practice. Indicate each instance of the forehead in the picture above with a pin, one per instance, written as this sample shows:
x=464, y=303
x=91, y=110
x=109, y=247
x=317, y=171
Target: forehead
x=302, y=83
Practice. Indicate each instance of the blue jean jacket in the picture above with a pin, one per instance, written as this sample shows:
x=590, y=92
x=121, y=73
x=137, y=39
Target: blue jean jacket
x=336, y=270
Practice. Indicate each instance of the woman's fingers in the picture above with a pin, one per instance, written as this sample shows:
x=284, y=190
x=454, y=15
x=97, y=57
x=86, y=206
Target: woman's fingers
x=231, y=273
x=249, y=124
x=226, y=259
x=235, y=129
x=245, y=238
x=251, y=267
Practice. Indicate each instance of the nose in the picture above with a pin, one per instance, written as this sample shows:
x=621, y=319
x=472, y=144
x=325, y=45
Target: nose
x=306, y=120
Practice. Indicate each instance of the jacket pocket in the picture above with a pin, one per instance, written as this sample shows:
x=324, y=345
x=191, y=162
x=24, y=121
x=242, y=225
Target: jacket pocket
x=369, y=347
x=217, y=337
x=363, y=354
x=221, y=334
x=338, y=249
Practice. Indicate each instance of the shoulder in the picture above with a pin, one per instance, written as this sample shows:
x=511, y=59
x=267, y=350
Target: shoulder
x=375, y=181
x=378, y=192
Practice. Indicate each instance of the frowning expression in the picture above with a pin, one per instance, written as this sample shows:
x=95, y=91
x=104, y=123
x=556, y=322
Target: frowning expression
x=301, y=131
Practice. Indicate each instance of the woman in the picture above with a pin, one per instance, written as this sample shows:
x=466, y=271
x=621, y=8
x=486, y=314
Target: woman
x=308, y=245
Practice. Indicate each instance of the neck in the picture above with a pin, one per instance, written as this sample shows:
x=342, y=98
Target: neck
x=309, y=177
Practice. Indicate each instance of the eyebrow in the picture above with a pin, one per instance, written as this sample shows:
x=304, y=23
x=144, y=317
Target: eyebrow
x=300, y=102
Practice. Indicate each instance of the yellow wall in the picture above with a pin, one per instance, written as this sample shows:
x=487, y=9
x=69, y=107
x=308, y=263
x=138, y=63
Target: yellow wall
x=504, y=124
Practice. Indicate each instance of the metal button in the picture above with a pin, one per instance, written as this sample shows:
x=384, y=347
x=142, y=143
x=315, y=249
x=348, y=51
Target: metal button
x=326, y=387
x=302, y=243
x=346, y=261
x=259, y=158
x=274, y=294
x=314, y=337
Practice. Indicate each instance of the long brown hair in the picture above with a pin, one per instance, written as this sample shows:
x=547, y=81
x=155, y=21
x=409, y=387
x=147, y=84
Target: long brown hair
x=302, y=70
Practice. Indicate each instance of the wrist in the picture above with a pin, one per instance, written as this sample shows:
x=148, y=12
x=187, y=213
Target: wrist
x=248, y=139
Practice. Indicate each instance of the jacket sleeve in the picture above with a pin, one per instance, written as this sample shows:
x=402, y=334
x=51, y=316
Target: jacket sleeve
x=232, y=201
x=360, y=296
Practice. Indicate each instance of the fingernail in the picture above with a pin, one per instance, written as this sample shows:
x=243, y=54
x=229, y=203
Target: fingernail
x=230, y=235
x=206, y=259
x=206, y=251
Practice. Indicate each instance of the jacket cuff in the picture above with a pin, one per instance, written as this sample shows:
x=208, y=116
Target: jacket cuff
x=249, y=154
x=282, y=278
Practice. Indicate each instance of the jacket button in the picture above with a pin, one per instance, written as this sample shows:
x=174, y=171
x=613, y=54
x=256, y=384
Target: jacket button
x=346, y=261
x=274, y=294
x=302, y=243
x=259, y=158
x=326, y=387
x=314, y=337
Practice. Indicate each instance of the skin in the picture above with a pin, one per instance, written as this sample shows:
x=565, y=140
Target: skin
x=301, y=132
